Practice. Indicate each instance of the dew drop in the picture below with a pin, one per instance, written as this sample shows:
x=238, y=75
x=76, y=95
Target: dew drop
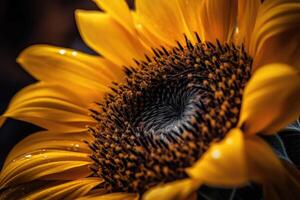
x=75, y=147
x=62, y=51
x=28, y=156
x=216, y=154
x=74, y=53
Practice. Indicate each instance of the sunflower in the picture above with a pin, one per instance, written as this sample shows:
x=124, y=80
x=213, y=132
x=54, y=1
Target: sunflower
x=179, y=98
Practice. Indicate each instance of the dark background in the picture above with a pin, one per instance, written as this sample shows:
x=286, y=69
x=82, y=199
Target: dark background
x=24, y=23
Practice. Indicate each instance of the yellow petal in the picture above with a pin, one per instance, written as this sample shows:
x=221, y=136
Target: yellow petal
x=177, y=190
x=224, y=163
x=94, y=194
x=109, y=38
x=111, y=196
x=69, y=190
x=46, y=164
x=271, y=99
x=279, y=180
x=145, y=35
x=22, y=190
x=239, y=159
x=247, y=13
x=48, y=105
x=66, y=66
x=190, y=10
x=47, y=140
x=119, y=10
x=276, y=34
x=163, y=19
x=219, y=19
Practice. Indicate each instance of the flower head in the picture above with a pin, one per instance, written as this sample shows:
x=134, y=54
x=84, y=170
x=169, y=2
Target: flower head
x=176, y=100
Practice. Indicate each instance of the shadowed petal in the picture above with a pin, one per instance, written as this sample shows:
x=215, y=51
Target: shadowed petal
x=280, y=180
x=111, y=196
x=247, y=14
x=69, y=190
x=219, y=19
x=275, y=37
x=177, y=190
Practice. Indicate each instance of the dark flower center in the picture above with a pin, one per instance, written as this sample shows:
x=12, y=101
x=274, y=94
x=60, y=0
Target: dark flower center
x=166, y=114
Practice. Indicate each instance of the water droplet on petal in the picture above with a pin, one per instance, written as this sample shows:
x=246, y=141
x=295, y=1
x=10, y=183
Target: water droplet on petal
x=28, y=156
x=216, y=154
x=75, y=147
x=74, y=53
x=62, y=51
x=45, y=157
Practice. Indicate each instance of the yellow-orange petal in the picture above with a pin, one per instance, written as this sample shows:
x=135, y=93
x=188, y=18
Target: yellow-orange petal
x=219, y=19
x=279, y=180
x=247, y=13
x=111, y=196
x=145, y=35
x=15, y=192
x=67, y=66
x=48, y=165
x=271, y=99
x=49, y=140
x=224, y=163
x=69, y=190
x=49, y=106
x=242, y=159
x=120, y=11
x=275, y=37
x=190, y=10
x=163, y=19
x=177, y=190
x=109, y=38
x=93, y=194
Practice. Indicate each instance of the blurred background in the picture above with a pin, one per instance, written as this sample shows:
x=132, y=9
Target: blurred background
x=24, y=23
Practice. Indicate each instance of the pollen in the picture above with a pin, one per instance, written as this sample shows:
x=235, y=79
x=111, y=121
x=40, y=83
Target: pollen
x=168, y=111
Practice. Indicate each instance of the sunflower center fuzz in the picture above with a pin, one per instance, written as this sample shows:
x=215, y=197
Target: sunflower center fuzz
x=166, y=114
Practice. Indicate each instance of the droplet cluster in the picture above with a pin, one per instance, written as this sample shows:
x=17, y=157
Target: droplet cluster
x=171, y=107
